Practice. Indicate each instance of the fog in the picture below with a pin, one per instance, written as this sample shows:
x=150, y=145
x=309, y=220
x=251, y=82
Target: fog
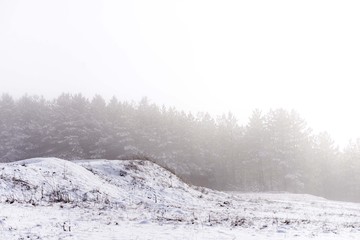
x=197, y=56
x=274, y=151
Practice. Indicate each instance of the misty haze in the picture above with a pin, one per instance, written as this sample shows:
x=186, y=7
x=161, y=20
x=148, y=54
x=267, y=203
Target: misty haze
x=179, y=120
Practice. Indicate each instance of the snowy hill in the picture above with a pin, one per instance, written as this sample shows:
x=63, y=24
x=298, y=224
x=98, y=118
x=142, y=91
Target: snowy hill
x=47, y=180
x=48, y=198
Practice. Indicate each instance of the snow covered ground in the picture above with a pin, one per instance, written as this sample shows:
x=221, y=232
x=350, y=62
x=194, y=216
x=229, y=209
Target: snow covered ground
x=101, y=199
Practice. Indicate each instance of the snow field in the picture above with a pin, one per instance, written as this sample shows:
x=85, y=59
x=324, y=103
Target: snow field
x=49, y=198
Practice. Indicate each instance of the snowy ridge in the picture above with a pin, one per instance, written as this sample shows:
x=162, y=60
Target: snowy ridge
x=47, y=180
x=105, y=199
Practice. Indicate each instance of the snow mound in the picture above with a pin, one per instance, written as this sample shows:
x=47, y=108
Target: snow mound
x=47, y=180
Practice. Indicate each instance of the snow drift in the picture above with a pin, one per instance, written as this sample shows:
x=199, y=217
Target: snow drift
x=47, y=180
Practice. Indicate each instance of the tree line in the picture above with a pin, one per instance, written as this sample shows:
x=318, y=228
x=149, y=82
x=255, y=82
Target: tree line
x=274, y=151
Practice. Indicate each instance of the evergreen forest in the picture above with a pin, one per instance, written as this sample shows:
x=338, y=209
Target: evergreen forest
x=275, y=151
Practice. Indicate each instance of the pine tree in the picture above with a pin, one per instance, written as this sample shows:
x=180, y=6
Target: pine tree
x=255, y=166
x=350, y=171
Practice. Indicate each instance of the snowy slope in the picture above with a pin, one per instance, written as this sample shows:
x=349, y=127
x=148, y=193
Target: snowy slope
x=49, y=198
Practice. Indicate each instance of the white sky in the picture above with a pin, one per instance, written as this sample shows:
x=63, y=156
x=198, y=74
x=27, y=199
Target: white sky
x=214, y=56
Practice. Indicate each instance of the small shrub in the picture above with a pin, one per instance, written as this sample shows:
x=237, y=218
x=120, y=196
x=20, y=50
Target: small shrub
x=122, y=173
x=59, y=196
x=132, y=166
